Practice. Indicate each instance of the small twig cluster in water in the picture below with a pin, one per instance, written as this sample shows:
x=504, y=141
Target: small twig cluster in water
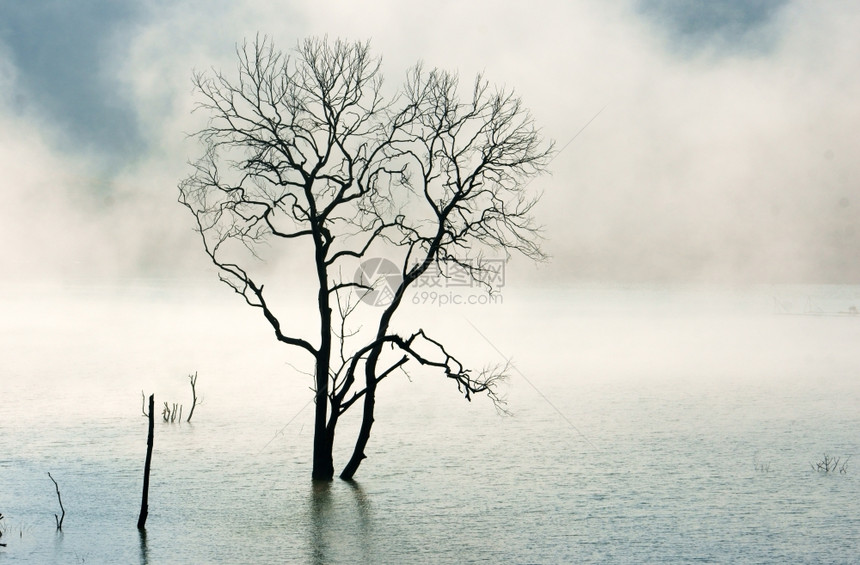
x=169, y=414
x=831, y=465
x=172, y=413
x=4, y=530
x=762, y=467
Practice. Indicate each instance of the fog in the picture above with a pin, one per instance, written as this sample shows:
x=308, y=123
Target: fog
x=675, y=366
x=722, y=149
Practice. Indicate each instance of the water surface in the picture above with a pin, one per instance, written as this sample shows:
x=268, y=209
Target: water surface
x=649, y=425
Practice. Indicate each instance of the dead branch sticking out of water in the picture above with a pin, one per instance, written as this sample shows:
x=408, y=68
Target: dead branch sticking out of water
x=760, y=466
x=173, y=413
x=144, y=503
x=831, y=465
x=170, y=413
x=194, y=399
x=58, y=519
x=1, y=531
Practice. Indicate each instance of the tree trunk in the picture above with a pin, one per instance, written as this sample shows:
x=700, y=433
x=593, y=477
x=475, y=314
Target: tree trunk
x=363, y=436
x=323, y=466
x=358, y=454
x=144, y=503
x=323, y=469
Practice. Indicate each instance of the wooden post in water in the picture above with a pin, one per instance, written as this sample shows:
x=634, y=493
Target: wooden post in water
x=144, y=504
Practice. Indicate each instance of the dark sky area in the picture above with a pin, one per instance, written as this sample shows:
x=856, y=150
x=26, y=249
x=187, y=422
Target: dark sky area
x=68, y=58
x=697, y=23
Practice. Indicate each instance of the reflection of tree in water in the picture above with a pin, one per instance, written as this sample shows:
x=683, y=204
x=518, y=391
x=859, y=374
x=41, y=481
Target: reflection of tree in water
x=341, y=523
x=144, y=548
x=364, y=515
x=320, y=506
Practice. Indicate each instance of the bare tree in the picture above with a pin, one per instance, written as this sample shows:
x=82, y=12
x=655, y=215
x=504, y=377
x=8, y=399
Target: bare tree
x=303, y=151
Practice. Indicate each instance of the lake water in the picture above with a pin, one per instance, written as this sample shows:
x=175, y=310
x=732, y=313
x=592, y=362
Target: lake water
x=650, y=425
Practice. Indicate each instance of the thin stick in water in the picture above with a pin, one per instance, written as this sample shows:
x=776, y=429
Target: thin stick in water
x=58, y=519
x=144, y=503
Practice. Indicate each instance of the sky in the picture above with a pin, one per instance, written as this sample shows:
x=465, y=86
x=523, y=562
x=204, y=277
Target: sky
x=720, y=138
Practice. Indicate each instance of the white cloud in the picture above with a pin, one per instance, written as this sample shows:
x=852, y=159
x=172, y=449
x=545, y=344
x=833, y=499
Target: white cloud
x=702, y=162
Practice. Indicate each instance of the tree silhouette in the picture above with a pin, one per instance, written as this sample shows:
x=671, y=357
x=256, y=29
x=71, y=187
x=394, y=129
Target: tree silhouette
x=304, y=153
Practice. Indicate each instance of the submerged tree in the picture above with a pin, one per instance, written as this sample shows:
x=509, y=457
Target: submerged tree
x=304, y=154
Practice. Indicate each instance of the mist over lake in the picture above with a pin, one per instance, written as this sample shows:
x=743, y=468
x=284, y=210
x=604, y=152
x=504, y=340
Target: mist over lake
x=681, y=353
x=648, y=424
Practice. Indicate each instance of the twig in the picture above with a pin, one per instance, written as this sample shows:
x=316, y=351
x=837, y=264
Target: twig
x=193, y=379
x=58, y=519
